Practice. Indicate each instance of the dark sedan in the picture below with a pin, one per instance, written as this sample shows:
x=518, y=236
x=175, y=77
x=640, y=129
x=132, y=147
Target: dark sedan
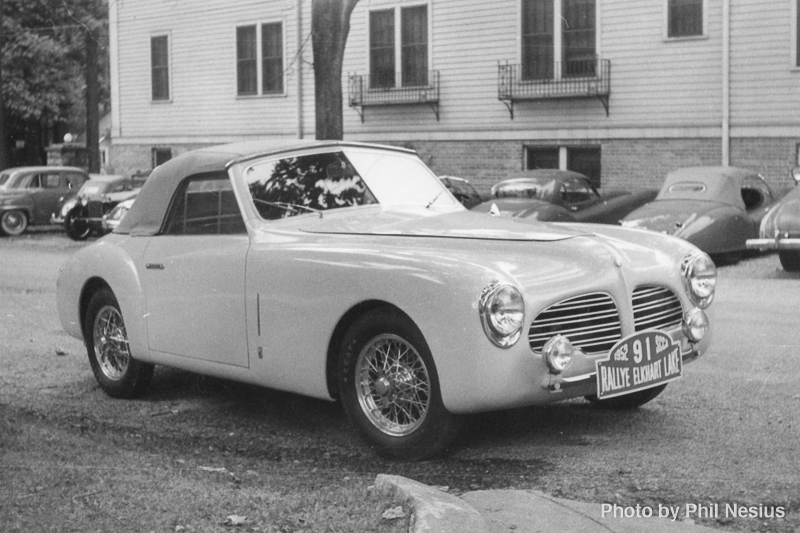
x=29, y=194
x=562, y=196
x=83, y=213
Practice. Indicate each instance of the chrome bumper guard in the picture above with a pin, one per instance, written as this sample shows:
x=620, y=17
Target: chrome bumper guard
x=778, y=243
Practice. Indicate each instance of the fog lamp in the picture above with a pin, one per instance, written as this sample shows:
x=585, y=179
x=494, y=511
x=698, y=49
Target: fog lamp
x=557, y=353
x=695, y=324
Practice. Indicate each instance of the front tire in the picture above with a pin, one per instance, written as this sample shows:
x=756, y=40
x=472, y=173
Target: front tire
x=116, y=371
x=14, y=222
x=628, y=401
x=76, y=227
x=390, y=389
x=790, y=260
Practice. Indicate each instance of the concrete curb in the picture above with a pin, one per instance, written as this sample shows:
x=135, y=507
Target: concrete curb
x=432, y=509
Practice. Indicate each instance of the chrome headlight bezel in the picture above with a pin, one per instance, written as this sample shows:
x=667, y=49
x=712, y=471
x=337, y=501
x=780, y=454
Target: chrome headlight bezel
x=502, y=312
x=557, y=352
x=699, y=278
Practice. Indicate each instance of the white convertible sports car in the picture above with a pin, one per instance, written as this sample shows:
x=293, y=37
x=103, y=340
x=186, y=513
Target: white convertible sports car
x=348, y=272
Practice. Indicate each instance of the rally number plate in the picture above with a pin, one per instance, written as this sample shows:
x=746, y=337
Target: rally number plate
x=637, y=362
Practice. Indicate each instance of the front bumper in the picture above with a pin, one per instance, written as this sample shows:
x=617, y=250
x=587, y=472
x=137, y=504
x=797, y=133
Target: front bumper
x=778, y=243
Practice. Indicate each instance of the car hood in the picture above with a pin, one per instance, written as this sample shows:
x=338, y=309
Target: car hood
x=431, y=223
x=667, y=216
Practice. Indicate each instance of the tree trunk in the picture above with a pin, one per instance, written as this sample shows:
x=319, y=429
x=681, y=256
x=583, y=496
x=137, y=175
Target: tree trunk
x=3, y=146
x=92, y=104
x=330, y=24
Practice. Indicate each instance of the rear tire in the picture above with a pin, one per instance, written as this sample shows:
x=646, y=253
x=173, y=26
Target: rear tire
x=13, y=223
x=116, y=371
x=628, y=401
x=790, y=260
x=390, y=389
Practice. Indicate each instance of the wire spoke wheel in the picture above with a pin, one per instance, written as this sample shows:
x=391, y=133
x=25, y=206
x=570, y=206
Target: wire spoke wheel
x=393, y=385
x=111, y=349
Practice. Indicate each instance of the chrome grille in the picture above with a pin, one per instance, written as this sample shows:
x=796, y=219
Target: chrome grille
x=656, y=308
x=590, y=321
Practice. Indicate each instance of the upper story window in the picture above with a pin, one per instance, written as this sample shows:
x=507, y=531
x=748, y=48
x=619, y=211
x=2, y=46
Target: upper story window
x=558, y=39
x=796, y=37
x=684, y=18
x=259, y=59
x=159, y=67
x=404, y=44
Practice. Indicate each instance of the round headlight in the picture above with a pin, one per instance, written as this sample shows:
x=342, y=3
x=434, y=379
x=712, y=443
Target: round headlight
x=557, y=353
x=502, y=313
x=695, y=324
x=700, y=278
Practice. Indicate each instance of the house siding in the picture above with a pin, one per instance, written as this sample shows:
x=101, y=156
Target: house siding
x=666, y=107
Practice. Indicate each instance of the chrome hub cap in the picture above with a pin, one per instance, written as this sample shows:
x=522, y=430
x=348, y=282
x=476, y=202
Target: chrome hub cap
x=393, y=385
x=111, y=347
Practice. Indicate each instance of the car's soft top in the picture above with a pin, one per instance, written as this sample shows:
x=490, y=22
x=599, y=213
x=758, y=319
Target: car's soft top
x=712, y=184
x=146, y=215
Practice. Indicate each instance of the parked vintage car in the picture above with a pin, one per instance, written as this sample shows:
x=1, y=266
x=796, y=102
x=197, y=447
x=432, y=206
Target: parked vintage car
x=780, y=229
x=29, y=194
x=347, y=271
x=561, y=196
x=715, y=208
x=82, y=214
x=112, y=219
x=463, y=191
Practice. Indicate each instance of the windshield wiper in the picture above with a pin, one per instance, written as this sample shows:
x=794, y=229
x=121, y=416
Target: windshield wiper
x=286, y=206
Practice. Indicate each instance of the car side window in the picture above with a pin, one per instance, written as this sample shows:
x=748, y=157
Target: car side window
x=75, y=181
x=578, y=191
x=205, y=205
x=306, y=184
x=49, y=181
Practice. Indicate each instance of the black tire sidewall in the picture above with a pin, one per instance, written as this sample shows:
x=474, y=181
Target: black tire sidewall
x=136, y=376
x=3, y=218
x=439, y=427
x=69, y=226
x=790, y=260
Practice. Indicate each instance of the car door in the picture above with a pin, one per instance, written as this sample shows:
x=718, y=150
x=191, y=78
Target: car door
x=194, y=275
x=45, y=189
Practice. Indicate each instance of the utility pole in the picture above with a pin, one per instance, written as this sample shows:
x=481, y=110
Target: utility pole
x=3, y=146
x=92, y=103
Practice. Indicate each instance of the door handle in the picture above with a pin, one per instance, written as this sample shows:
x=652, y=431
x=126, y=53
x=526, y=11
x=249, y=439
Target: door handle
x=154, y=266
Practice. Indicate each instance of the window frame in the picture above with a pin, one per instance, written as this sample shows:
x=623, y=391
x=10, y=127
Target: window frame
x=168, y=98
x=259, y=59
x=678, y=38
x=397, y=13
x=558, y=55
x=564, y=157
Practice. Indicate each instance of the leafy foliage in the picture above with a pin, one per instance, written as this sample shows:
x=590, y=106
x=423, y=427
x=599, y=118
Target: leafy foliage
x=43, y=57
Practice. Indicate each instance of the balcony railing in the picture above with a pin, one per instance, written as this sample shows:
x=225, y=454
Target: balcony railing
x=363, y=92
x=567, y=79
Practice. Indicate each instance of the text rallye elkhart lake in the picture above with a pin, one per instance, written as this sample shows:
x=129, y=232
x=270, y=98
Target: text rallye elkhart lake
x=348, y=272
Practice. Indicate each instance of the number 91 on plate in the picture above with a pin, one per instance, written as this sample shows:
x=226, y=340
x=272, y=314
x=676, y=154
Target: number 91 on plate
x=640, y=361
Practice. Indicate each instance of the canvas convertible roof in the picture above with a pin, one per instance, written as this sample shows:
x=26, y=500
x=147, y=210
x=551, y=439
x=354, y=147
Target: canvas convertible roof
x=147, y=213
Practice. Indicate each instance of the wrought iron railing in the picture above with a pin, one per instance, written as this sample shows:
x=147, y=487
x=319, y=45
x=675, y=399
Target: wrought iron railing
x=364, y=92
x=566, y=79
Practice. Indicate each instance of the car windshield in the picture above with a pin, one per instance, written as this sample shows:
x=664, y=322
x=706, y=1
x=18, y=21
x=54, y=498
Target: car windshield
x=4, y=180
x=352, y=177
x=540, y=189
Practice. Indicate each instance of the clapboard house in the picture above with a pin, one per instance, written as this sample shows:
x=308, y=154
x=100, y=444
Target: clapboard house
x=622, y=90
